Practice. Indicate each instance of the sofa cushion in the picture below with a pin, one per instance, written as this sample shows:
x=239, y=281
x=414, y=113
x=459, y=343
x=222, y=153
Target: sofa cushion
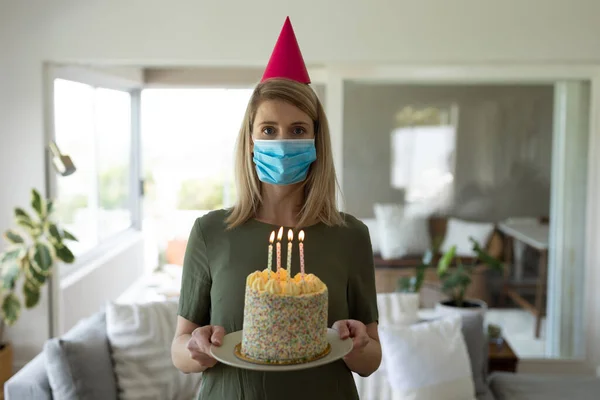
x=377, y=387
x=473, y=332
x=458, y=233
x=30, y=382
x=79, y=365
x=140, y=336
x=400, y=232
x=477, y=346
x=428, y=360
x=508, y=386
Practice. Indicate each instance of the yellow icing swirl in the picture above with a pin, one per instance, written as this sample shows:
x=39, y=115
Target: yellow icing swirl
x=273, y=286
x=258, y=284
x=280, y=283
x=253, y=277
x=290, y=287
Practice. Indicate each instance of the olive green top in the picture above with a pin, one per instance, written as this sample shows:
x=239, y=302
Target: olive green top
x=216, y=265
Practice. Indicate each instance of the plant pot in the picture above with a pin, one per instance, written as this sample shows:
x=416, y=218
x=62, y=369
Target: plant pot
x=405, y=308
x=6, y=363
x=470, y=307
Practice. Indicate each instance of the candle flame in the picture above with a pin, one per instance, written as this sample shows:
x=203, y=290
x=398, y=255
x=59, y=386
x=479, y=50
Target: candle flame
x=280, y=234
x=272, y=237
x=301, y=236
x=290, y=235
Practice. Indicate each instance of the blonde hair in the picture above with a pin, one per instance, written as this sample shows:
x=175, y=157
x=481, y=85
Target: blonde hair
x=320, y=185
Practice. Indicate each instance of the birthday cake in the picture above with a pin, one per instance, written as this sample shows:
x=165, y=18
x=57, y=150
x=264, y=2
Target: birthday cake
x=285, y=317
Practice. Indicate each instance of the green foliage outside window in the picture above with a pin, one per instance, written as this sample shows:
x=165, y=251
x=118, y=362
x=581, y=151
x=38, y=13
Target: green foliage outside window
x=196, y=194
x=113, y=186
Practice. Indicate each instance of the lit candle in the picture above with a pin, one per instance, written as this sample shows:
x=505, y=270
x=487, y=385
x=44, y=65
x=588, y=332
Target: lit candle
x=279, y=235
x=289, y=253
x=301, y=240
x=270, y=261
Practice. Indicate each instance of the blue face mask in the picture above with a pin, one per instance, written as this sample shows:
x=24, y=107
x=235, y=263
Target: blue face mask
x=283, y=162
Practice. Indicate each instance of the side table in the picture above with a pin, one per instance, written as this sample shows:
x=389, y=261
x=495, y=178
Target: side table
x=502, y=358
x=535, y=236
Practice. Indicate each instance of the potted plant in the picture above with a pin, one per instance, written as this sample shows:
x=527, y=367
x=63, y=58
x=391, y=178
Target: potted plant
x=455, y=280
x=408, y=290
x=33, y=249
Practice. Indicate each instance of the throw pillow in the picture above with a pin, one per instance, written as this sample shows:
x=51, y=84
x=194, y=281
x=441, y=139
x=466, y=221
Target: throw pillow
x=477, y=347
x=140, y=336
x=458, y=233
x=398, y=308
x=428, y=360
x=79, y=364
x=401, y=233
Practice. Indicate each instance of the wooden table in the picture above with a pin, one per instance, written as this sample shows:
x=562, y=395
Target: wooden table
x=502, y=358
x=534, y=235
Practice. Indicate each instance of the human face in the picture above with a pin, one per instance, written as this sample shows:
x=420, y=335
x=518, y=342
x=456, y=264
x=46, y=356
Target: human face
x=276, y=119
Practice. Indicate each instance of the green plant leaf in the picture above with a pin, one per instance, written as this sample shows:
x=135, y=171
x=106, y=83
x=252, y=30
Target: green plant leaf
x=24, y=220
x=68, y=235
x=445, y=261
x=450, y=282
x=12, y=254
x=420, y=271
x=404, y=285
x=11, y=308
x=10, y=273
x=27, y=224
x=55, y=236
x=20, y=213
x=49, y=208
x=419, y=278
x=64, y=254
x=485, y=257
x=31, y=274
x=31, y=293
x=41, y=258
x=455, y=284
x=13, y=237
x=38, y=203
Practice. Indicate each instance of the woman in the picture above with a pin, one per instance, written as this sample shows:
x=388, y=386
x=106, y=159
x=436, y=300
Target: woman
x=285, y=177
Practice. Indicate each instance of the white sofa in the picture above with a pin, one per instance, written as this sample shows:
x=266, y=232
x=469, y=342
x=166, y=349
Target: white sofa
x=89, y=341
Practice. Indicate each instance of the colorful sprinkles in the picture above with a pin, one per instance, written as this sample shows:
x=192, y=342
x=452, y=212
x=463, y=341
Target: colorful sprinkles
x=284, y=329
x=238, y=354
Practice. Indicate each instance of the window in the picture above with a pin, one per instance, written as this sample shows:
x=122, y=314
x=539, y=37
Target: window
x=93, y=126
x=189, y=138
x=423, y=147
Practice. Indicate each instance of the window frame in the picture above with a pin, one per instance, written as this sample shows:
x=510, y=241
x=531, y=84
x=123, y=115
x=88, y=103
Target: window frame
x=102, y=79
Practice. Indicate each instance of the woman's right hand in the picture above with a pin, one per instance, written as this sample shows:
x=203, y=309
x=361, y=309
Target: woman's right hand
x=200, y=342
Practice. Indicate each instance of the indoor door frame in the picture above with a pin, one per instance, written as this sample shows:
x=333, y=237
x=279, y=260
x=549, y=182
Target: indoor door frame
x=336, y=76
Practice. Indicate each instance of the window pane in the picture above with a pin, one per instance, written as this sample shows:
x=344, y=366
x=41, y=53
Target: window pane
x=74, y=132
x=188, y=146
x=113, y=139
x=93, y=127
x=422, y=161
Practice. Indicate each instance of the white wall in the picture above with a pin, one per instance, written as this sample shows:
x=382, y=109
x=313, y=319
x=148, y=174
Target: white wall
x=159, y=33
x=503, y=147
x=86, y=291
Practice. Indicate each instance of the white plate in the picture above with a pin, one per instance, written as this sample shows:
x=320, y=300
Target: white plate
x=225, y=353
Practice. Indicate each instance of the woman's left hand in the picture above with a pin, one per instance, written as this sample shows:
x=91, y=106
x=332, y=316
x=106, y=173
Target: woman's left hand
x=350, y=328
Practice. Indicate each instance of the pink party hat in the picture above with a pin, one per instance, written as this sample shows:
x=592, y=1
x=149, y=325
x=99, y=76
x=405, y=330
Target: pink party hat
x=286, y=60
